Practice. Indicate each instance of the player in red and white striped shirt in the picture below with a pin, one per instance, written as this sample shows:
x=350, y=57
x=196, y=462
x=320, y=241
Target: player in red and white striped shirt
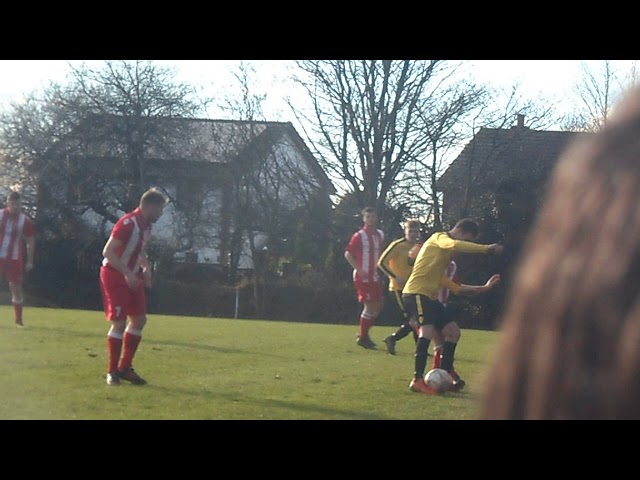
x=451, y=273
x=123, y=277
x=15, y=229
x=362, y=253
x=451, y=331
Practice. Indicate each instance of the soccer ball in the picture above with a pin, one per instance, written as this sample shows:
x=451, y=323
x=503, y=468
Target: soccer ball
x=413, y=253
x=438, y=379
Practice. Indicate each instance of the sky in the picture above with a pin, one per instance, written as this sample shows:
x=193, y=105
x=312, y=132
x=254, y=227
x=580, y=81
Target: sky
x=552, y=79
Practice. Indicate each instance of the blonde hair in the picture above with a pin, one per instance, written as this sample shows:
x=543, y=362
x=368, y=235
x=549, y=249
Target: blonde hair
x=153, y=196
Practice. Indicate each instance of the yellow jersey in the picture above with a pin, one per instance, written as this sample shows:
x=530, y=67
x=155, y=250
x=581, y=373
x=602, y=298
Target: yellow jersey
x=431, y=263
x=394, y=262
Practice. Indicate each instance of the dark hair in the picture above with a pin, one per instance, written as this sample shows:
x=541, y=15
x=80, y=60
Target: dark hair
x=467, y=225
x=569, y=344
x=13, y=196
x=368, y=210
x=153, y=197
x=413, y=224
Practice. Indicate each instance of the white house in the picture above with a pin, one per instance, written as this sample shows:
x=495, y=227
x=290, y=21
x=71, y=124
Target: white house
x=228, y=181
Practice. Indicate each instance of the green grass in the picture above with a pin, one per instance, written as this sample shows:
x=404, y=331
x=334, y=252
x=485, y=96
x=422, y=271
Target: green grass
x=211, y=368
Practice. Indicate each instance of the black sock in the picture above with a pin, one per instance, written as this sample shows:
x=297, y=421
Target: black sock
x=448, y=351
x=415, y=335
x=422, y=345
x=402, y=332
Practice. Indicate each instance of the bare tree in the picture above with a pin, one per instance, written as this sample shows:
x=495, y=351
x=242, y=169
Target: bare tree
x=368, y=118
x=134, y=95
x=386, y=130
x=265, y=183
x=633, y=75
x=109, y=112
x=596, y=93
x=448, y=122
x=244, y=105
x=441, y=117
x=84, y=150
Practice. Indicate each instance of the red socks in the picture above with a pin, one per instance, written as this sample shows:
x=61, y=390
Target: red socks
x=114, y=348
x=366, y=322
x=437, y=356
x=130, y=345
x=17, y=309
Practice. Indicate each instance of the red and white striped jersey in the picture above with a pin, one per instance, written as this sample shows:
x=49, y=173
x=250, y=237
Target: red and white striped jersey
x=13, y=230
x=443, y=293
x=134, y=232
x=366, y=246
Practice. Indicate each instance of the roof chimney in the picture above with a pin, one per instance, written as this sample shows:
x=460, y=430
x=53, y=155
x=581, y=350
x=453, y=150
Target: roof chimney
x=520, y=120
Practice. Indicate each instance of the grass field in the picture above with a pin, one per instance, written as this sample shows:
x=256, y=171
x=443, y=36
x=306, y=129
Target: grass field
x=210, y=368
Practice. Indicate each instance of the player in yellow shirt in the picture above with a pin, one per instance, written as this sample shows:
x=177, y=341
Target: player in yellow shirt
x=420, y=293
x=396, y=264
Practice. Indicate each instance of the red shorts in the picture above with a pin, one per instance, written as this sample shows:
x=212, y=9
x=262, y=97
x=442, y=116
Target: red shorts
x=369, y=292
x=118, y=298
x=11, y=270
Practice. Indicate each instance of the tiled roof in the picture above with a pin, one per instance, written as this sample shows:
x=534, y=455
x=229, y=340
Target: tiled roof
x=495, y=154
x=198, y=140
x=516, y=158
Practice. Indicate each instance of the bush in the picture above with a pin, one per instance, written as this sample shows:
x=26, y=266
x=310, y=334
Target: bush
x=310, y=296
x=175, y=297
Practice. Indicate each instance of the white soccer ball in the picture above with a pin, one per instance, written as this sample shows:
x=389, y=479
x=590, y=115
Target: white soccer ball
x=438, y=379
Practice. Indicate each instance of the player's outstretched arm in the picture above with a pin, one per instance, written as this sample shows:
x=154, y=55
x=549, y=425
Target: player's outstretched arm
x=493, y=281
x=464, y=246
x=470, y=290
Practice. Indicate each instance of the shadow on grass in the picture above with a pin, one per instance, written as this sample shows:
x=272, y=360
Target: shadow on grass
x=273, y=403
x=200, y=346
x=151, y=342
x=470, y=360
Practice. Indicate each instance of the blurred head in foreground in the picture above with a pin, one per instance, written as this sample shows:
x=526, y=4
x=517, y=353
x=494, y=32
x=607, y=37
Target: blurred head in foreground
x=569, y=346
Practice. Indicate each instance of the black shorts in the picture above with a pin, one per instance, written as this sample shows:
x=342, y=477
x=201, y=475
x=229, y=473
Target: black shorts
x=425, y=311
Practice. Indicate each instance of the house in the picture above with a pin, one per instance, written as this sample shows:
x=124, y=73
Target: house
x=497, y=165
x=231, y=184
x=499, y=180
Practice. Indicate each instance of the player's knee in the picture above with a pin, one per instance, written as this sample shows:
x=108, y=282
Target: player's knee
x=427, y=331
x=370, y=310
x=118, y=326
x=451, y=332
x=377, y=307
x=138, y=322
